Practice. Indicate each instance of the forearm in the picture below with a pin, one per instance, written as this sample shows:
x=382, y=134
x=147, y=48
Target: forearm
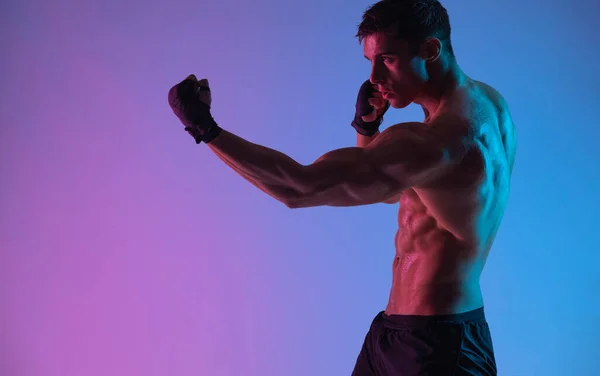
x=269, y=170
x=250, y=179
x=363, y=141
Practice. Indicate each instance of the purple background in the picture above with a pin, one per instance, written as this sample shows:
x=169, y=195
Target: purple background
x=128, y=250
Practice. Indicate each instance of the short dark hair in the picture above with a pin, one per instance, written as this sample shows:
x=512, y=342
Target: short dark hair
x=410, y=20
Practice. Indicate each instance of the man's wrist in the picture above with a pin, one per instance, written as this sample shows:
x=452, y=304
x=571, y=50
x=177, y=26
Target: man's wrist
x=364, y=128
x=213, y=133
x=205, y=133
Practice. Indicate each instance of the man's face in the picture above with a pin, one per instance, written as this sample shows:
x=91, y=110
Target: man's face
x=396, y=69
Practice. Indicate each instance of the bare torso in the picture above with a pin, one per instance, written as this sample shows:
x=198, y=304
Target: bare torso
x=446, y=229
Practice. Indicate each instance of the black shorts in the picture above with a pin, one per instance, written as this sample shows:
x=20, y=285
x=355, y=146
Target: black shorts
x=450, y=345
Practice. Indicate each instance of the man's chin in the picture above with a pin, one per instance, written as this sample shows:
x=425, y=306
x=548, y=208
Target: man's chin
x=398, y=103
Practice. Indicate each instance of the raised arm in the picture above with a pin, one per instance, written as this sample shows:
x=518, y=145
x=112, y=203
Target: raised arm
x=404, y=155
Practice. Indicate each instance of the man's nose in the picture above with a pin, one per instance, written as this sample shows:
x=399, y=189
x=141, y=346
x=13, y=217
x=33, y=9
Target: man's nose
x=376, y=75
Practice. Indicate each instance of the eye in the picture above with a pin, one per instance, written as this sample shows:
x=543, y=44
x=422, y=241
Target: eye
x=386, y=59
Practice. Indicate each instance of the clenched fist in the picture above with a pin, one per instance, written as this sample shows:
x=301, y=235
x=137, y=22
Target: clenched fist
x=370, y=108
x=190, y=100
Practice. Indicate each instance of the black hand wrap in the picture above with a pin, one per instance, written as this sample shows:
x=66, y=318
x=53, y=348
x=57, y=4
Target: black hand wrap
x=193, y=112
x=363, y=108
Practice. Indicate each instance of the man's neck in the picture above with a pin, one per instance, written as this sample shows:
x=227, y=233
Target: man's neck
x=443, y=80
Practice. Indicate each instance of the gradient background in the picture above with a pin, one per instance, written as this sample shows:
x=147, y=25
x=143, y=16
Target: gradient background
x=128, y=250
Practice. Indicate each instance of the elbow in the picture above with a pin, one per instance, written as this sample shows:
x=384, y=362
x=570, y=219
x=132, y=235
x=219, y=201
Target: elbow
x=287, y=202
x=299, y=201
x=292, y=203
x=292, y=200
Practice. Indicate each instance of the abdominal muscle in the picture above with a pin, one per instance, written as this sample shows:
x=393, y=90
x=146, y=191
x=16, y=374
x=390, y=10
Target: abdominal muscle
x=433, y=273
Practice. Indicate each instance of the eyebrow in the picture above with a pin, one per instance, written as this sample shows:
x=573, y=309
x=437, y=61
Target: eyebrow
x=380, y=54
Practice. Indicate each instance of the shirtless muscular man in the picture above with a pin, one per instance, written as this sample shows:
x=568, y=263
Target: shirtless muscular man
x=450, y=173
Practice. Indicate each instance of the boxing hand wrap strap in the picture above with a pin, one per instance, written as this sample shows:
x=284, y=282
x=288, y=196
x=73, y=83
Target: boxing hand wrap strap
x=205, y=133
x=364, y=128
x=364, y=108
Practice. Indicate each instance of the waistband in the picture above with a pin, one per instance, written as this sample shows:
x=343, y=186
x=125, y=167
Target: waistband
x=399, y=321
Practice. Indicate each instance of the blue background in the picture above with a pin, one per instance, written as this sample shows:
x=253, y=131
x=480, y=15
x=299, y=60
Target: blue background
x=126, y=249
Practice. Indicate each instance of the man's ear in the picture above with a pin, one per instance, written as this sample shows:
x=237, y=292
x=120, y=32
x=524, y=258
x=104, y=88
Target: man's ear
x=431, y=49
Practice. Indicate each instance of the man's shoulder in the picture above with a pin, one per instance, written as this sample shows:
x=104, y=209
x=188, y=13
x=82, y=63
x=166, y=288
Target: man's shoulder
x=474, y=109
x=450, y=132
x=490, y=94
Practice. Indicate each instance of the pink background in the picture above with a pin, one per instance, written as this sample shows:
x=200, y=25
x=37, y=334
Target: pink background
x=128, y=250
